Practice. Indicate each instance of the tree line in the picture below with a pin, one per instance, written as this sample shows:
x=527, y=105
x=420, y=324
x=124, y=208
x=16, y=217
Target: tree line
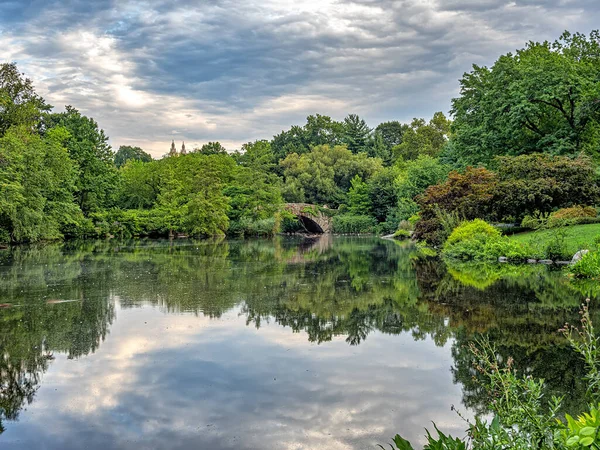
x=524, y=139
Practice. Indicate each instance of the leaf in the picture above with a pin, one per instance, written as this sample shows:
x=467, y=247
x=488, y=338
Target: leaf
x=572, y=441
x=587, y=431
x=402, y=443
x=586, y=441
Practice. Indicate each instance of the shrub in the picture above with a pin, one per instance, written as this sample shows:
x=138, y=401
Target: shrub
x=588, y=266
x=467, y=195
x=478, y=240
x=246, y=227
x=571, y=216
x=352, y=224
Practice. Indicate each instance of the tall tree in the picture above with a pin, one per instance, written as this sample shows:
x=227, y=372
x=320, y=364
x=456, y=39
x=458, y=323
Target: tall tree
x=19, y=104
x=88, y=148
x=422, y=138
x=356, y=133
x=391, y=133
x=127, y=152
x=543, y=98
x=212, y=148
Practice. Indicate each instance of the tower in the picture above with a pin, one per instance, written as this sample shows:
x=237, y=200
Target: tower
x=173, y=151
x=183, y=152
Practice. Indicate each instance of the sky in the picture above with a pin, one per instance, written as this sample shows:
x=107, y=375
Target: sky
x=238, y=70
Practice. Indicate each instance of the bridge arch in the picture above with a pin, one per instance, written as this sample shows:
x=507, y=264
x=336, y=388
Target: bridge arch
x=312, y=217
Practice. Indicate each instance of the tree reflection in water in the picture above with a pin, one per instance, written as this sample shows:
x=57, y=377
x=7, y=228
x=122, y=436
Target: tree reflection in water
x=61, y=299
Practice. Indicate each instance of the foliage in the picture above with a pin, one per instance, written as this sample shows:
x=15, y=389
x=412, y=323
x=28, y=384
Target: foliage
x=391, y=133
x=359, y=202
x=211, y=148
x=539, y=184
x=588, y=266
x=38, y=184
x=356, y=133
x=353, y=224
x=422, y=138
x=478, y=240
x=127, y=153
x=540, y=99
x=467, y=195
x=19, y=104
x=96, y=180
x=323, y=175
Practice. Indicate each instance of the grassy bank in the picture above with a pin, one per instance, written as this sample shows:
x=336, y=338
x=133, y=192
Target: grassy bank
x=576, y=237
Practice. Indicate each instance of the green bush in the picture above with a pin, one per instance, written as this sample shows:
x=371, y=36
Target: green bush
x=588, y=266
x=246, y=227
x=575, y=215
x=478, y=240
x=352, y=224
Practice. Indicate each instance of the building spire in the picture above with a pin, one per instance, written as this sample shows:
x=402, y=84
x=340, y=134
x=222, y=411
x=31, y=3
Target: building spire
x=183, y=152
x=173, y=151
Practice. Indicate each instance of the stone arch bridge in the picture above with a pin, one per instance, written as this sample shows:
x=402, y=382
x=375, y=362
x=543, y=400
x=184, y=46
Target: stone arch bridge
x=312, y=217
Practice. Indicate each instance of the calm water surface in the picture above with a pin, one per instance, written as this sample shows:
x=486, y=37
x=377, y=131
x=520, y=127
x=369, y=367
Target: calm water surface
x=332, y=343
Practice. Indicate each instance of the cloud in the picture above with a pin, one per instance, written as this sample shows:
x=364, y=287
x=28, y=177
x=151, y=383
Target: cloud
x=167, y=381
x=234, y=71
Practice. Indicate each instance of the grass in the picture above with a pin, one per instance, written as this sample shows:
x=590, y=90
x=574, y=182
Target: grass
x=577, y=237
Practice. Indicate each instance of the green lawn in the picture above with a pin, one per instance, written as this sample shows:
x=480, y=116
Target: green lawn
x=577, y=237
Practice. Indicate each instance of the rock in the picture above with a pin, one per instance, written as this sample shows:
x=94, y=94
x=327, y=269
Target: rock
x=546, y=261
x=503, y=259
x=532, y=261
x=562, y=263
x=577, y=256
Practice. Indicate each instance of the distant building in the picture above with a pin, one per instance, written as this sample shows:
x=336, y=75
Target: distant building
x=173, y=151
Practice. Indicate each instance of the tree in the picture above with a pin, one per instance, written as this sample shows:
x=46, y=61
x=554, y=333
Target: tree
x=543, y=98
x=318, y=130
x=126, y=153
x=416, y=176
x=323, y=176
x=37, y=179
x=383, y=193
x=422, y=138
x=88, y=147
x=466, y=195
x=391, y=133
x=212, y=148
x=140, y=184
x=540, y=183
x=19, y=104
x=359, y=202
x=356, y=133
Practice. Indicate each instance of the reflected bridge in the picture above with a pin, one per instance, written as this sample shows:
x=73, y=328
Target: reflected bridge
x=313, y=218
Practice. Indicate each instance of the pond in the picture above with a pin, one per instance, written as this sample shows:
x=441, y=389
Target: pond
x=328, y=343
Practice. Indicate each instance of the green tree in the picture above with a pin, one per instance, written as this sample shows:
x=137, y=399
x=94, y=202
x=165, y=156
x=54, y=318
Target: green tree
x=211, y=148
x=318, y=130
x=359, y=202
x=37, y=181
x=422, y=138
x=543, y=98
x=19, y=104
x=127, y=152
x=88, y=147
x=323, y=176
x=140, y=184
x=356, y=133
x=383, y=193
x=391, y=133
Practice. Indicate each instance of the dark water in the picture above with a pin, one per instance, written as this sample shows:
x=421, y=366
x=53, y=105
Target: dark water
x=336, y=343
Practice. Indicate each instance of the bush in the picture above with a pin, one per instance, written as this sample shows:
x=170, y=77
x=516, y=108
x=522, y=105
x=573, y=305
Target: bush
x=575, y=215
x=352, y=224
x=588, y=266
x=478, y=240
x=246, y=227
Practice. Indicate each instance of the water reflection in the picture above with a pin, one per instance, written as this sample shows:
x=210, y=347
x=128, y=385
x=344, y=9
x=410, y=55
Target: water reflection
x=290, y=343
